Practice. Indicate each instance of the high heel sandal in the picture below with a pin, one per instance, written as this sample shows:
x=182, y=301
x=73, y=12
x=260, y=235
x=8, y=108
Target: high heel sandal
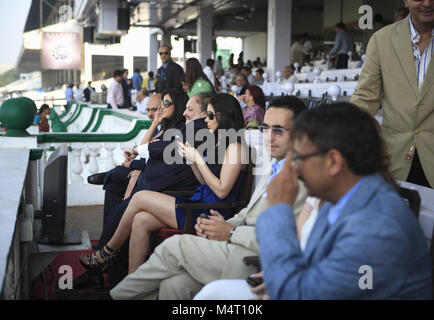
x=91, y=262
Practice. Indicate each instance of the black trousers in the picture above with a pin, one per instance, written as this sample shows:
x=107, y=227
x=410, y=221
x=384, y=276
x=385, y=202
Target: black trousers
x=417, y=174
x=342, y=62
x=115, y=187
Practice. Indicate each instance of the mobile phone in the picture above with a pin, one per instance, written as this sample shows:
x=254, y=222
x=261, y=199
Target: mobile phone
x=254, y=282
x=204, y=215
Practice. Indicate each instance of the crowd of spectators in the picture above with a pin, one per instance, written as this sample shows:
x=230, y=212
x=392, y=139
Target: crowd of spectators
x=326, y=208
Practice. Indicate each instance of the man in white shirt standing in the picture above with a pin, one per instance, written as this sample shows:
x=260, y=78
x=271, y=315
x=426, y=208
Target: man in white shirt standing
x=208, y=70
x=78, y=92
x=115, y=96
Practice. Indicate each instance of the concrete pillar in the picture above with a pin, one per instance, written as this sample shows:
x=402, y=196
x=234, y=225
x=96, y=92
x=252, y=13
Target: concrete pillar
x=153, y=42
x=205, y=33
x=278, y=35
x=153, y=53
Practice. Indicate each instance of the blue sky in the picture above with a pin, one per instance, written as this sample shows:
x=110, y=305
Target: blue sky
x=13, y=15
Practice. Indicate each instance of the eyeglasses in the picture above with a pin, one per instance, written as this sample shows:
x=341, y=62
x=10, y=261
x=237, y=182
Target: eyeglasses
x=276, y=131
x=298, y=158
x=151, y=109
x=211, y=115
x=163, y=52
x=166, y=103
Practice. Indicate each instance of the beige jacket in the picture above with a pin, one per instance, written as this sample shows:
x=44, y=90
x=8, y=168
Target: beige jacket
x=244, y=235
x=389, y=78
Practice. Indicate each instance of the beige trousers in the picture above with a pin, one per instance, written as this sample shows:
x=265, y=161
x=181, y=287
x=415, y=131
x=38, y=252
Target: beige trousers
x=182, y=264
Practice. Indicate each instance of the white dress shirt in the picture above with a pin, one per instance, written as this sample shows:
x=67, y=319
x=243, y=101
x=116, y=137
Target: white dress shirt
x=143, y=151
x=115, y=95
x=210, y=74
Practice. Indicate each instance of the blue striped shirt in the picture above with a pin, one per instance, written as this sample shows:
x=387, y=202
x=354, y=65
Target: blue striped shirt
x=421, y=59
x=276, y=166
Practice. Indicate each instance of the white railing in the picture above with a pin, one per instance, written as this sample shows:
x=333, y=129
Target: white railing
x=87, y=158
x=334, y=89
x=330, y=75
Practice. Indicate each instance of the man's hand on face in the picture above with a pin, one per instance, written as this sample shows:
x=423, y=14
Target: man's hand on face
x=284, y=186
x=214, y=228
x=129, y=154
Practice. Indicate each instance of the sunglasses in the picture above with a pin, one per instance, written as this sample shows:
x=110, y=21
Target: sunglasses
x=151, y=109
x=211, y=115
x=166, y=103
x=276, y=131
x=164, y=52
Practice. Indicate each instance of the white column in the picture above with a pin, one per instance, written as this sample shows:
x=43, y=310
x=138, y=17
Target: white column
x=110, y=146
x=77, y=167
x=153, y=42
x=278, y=35
x=204, y=33
x=94, y=149
x=153, y=52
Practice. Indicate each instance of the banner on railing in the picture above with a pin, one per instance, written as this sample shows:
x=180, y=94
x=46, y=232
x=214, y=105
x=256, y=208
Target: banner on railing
x=61, y=51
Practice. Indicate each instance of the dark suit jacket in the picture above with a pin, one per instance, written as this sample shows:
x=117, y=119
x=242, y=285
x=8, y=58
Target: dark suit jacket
x=157, y=175
x=171, y=79
x=86, y=93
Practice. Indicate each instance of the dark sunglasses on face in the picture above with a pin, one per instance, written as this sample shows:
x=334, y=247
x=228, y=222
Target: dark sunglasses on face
x=211, y=115
x=276, y=131
x=151, y=109
x=166, y=103
x=163, y=52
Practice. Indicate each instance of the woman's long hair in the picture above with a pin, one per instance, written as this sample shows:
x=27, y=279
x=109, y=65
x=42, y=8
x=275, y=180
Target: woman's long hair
x=257, y=95
x=194, y=71
x=179, y=99
x=230, y=116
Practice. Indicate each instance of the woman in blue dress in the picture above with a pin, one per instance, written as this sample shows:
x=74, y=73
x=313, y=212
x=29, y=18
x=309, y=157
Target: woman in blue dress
x=220, y=174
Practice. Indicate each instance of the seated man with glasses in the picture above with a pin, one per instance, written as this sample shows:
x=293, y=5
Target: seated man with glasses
x=366, y=243
x=182, y=264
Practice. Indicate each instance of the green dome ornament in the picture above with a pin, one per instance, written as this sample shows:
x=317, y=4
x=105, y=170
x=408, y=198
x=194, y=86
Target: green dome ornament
x=17, y=115
x=31, y=102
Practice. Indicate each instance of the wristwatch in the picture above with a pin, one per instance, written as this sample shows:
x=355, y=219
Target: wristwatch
x=134, y=147
x=231, y=233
